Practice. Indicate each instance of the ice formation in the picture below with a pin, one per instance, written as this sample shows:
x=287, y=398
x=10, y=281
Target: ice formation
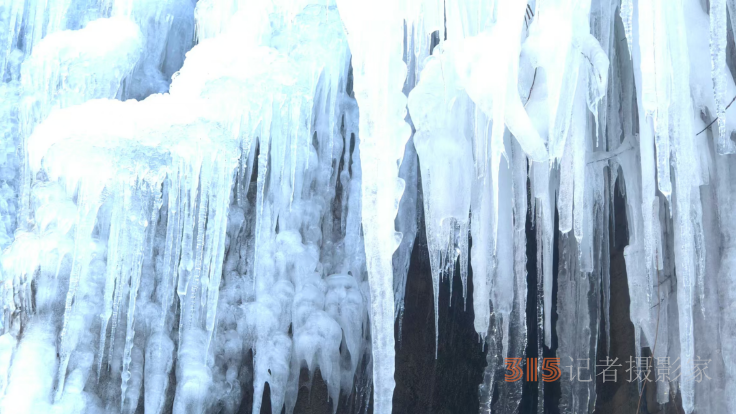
x=202, y=198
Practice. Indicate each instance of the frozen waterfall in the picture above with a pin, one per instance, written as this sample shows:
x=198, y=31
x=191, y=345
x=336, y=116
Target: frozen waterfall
x=203, y=200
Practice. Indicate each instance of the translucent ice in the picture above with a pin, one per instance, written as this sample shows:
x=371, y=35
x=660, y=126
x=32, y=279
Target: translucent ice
x=201, y=198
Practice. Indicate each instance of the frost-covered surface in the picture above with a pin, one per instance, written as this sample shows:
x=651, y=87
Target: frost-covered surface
x=201, y=198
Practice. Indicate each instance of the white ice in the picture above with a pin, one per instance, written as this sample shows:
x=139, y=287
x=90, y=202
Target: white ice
x=200, y=197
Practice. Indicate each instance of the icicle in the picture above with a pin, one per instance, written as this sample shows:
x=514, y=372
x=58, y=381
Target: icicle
x=88, y=204
x=605, y=256
x=540, y=322
x=580, y=142
x=216, y=242
x=379, y=74
x=577, y=301
x=545, y=240
x=684, y=238
x=492, y=362
x=514, y=324
x=566, y=191
x=482, y=255
x=138, y=223
x=173, y=236
x=700, y=247
x=114, y=267
x=503, y=283
x=443, y=149
x=627, y=16
x=719, y=70
x=407, y=224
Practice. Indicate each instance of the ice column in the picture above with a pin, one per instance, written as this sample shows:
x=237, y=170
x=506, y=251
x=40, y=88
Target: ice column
x=375, y=33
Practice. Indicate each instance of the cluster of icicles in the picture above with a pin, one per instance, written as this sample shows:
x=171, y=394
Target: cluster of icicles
x=198, y=198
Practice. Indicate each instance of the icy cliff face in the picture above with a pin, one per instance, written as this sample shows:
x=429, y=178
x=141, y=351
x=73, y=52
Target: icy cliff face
x=199, y=198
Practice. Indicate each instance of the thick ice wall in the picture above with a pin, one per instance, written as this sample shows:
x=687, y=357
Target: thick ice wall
x=64, y=70
x=249, y=18
x=167, y=26
x=217, y=17
x=57, y=74
x=161, y=141
x=297, y=85
x=149, y=129
x=297, y=130
x=72, y=66
x=236, y=87
x=9, y=161
x=95, y=58
x=160, y=209
x=25, y=22
x=137, y=159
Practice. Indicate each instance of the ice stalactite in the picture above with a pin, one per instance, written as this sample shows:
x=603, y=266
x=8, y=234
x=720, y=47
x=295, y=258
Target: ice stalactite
x=375, y=34
x=722, y=188
x=440, y=111
x=544, y=200
x=510, y=309
x=718, y=41
x=577, y=302
x=406, y=223
x=483, y=259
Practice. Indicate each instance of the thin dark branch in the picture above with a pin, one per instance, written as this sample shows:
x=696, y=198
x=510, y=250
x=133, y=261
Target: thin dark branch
x=529, y=14
x=615, y=154
x=534, y=79
x=588, y=59
x=714, y=121
x=623, y=147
